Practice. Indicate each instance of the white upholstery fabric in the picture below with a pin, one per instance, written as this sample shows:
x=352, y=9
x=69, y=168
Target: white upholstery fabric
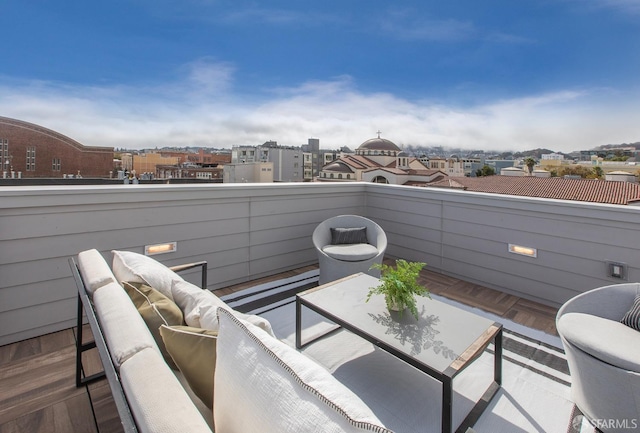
x=351, y=252
x=189, y=298
x=157, y=400
x=607, y=340
x=123, y=327
x=602, y=390
x=200, y=308
x=289, y=393
x=331, y=268
x=138, y=268
x=95, y=270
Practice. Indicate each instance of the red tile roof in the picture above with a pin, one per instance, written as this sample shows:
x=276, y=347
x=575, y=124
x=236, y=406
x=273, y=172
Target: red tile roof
x=591, y=190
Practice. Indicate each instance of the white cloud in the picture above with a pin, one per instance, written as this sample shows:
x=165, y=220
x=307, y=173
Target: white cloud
x=334, y=111
x=408, y=24
x=208, y=77
x=629, y=6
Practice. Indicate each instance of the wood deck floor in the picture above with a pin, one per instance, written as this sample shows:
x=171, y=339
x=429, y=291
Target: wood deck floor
x=37, y=376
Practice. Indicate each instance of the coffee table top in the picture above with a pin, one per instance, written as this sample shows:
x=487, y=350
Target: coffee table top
x=444, y=338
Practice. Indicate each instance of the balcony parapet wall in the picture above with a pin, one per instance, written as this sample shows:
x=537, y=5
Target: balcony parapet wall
x=249, y=231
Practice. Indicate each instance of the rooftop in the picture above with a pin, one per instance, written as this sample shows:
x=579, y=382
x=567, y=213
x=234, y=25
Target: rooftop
x=590, y=190
x=251, y=232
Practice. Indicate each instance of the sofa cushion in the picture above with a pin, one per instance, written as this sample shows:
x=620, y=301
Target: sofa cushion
x=95, y=270
x=348, y=235
x=123, y=328
x=351, y=252
x=632, y=317
x=157, y=400
x=134, y=267
x=607, y=340
x=194, y=352
x=289, y=393
x=200, y=308
x=155, y=309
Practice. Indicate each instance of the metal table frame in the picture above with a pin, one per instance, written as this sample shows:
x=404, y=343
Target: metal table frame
x=492, y=334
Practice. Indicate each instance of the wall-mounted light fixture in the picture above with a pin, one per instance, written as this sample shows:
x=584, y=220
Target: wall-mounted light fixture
x=525, y=251
x=617, y=270
x=168, y=247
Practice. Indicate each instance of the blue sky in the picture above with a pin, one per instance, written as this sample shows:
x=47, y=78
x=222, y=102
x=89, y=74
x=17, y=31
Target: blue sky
x=503, y=75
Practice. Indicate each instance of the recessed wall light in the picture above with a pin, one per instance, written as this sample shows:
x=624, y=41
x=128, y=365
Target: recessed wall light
x=524, y=251
x=168, y=247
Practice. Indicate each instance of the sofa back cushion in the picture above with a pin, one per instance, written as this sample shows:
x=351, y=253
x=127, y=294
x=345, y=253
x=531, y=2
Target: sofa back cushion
x=123, y=328
x=138, y=268
x=95, y=271
x=156, y=398
x=263, y=385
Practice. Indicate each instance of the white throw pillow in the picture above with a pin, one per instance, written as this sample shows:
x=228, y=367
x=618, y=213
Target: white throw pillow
x=138, y=268
x=263, y=385
x=200, y=308
x=190, y=298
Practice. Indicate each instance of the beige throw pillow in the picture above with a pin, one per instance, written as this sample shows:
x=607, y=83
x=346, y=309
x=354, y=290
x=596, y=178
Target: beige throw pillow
x=156, y=309
x=194, y=352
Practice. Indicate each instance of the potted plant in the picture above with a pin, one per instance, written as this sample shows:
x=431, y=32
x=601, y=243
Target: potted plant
x=399, y=285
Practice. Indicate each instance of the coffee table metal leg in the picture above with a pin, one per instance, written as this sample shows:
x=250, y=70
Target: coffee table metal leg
x=298, y=324
x=497, y=360
x=447, y=405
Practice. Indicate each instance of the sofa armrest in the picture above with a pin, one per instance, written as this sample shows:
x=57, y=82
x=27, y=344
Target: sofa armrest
x=86, y=306
x=187, y=266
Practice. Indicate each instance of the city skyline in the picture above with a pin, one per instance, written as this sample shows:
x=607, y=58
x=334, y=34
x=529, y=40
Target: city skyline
x=497, y=76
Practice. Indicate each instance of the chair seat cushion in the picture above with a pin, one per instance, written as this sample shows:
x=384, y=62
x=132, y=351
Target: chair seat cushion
x=351, y=252
x=607, y=340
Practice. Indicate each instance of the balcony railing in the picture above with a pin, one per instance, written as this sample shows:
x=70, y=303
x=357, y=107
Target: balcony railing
x=248, y=231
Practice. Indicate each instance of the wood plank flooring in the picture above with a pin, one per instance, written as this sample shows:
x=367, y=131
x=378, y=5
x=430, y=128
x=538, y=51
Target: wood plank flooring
x=37, y=376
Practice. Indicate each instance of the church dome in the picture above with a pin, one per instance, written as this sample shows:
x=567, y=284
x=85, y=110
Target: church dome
x=338, y=167
x=379, y=144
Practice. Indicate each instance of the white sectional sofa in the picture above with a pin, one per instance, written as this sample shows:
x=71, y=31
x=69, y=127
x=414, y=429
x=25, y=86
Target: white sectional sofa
x=178, y=359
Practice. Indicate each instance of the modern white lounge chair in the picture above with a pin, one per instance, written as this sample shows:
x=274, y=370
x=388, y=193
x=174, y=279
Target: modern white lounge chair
x=344, y=251
x=603, y=356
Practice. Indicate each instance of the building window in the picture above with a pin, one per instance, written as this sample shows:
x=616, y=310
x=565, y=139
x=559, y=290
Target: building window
x=5, y=159
x=31, y=158
x=55, y=165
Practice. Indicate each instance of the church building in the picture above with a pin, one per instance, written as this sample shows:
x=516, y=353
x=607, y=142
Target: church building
x=381, y=161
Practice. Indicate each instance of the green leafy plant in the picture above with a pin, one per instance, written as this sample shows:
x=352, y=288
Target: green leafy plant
x=399, y=285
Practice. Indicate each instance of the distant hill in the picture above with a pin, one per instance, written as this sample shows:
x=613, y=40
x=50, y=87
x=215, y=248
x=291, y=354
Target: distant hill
x=535, y=153
x=635, y=145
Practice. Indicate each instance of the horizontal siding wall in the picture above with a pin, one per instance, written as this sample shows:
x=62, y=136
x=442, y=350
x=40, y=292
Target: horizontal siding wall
x=466, y=235
x=243, y=232
x=247, y=231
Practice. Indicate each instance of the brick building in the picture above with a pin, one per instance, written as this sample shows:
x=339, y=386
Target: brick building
x=28, y=151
